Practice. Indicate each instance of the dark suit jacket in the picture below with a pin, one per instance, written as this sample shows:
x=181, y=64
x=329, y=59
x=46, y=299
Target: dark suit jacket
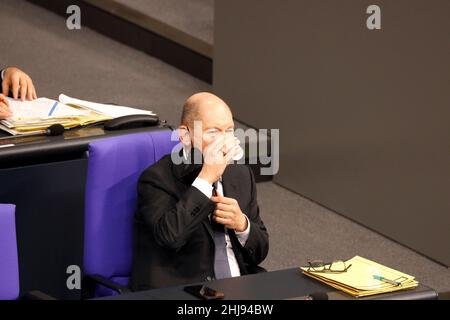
x=173, y=236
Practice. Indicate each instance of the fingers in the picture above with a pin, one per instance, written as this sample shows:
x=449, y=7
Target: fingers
x=223, y=214
x=224, y=200
x=223, y=144
x=232, y=148
x=31, y=93
x=19, y=83
x=5, y=87
x=229, y=144
x=4, y=100
x=15, y=84
x=213, y=154
x=222, y=221
x=27, y=90
x=216, y=198
x=222, y=150
x=34, y=93
x=224, y=207
x=5, y=112
x=23, y=88
x=216, y=145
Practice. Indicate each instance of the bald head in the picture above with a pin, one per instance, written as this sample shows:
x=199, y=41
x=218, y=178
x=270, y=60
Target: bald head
x=205, y=117
x=199, y=105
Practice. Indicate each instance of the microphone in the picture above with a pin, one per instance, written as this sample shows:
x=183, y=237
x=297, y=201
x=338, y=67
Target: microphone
x=54, y=130
x=312, y=296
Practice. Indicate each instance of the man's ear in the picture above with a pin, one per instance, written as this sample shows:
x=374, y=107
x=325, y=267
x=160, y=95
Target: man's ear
x=185, y=138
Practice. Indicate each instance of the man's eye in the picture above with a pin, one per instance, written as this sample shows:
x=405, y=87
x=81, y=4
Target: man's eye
x=211, y=133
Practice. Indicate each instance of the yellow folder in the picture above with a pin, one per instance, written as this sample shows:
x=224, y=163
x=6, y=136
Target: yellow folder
x=364, y=278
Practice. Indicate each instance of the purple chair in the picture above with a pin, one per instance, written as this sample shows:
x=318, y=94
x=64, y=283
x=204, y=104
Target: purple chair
x=9, y=266
x=114, y=167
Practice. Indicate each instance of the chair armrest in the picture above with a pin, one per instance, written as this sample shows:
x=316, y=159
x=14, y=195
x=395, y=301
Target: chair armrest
x=91, y=281
x=36, y=295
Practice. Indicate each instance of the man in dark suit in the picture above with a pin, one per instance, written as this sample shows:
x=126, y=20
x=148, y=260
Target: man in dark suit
x=20, y=85
x=199, y=219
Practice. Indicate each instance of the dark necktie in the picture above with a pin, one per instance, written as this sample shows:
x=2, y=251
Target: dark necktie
x=221, y=265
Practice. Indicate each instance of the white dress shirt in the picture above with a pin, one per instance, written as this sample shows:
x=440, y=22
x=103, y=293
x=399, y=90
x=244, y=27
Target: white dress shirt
x=206, y=188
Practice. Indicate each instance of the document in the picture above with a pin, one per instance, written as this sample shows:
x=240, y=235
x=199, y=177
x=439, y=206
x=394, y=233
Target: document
x=41, y=108
x=37, y=115
x=364, y=278
x=111, y=110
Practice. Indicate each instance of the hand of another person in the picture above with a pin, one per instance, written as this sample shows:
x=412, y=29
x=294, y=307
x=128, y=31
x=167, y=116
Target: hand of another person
x=5, y=111
x=19, y=83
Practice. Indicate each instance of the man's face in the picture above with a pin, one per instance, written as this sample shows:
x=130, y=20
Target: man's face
x=214, y=122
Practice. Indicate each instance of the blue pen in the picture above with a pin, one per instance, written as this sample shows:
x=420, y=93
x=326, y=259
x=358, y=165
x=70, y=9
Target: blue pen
x=53, y=109
x=380, y=278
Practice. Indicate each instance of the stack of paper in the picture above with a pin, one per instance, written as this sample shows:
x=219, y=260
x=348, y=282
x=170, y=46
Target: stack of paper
x=113, y=111
x=37, y=115
x=365, y=278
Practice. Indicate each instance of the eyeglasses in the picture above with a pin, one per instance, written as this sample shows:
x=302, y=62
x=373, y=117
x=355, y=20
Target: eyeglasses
x=337, y=266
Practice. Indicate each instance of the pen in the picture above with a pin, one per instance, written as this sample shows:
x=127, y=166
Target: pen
x=53, y=109
x=380, y=278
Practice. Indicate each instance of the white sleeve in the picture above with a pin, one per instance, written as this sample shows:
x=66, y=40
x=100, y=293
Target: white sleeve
x=3, y=73
x=204, y=186
x=243, y=236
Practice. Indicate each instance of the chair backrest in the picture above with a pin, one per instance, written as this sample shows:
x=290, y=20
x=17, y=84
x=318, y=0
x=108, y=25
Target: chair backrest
x=9, y=265
x=114, y=167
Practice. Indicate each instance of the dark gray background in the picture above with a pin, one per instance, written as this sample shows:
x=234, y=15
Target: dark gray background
x=364, y=115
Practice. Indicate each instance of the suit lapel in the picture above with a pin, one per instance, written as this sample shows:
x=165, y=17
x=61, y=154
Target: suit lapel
x=208, y=227
x=229, y=184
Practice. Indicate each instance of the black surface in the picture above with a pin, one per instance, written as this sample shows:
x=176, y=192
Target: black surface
x=43, y=149
x=49, y=201
x=134, y=36
x=131, y=122
x=275, y=285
